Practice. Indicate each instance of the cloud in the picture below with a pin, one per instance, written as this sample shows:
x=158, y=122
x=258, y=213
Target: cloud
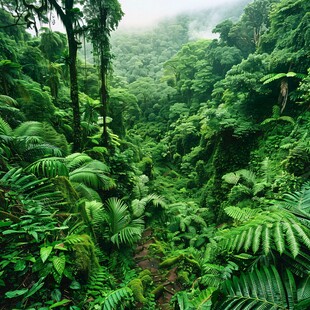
x=141, y=13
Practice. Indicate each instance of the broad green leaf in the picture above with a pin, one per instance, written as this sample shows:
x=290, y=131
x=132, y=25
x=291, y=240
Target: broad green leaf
x=45, y=253
x=13, y=294
x=59, y=263
x=35, y=288
x=60, y=303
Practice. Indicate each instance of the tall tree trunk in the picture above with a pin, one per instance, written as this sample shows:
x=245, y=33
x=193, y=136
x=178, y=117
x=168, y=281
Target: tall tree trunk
x=74, y=91
x=104, y=98
x=104, y=60
x=67, y=19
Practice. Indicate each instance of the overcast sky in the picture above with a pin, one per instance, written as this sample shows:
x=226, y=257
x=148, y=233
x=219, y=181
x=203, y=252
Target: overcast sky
x=146, y=12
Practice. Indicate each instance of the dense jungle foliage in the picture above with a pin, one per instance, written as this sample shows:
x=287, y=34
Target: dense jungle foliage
x=170, y=173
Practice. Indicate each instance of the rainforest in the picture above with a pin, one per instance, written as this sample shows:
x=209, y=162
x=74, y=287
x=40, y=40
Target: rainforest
x=162, y=168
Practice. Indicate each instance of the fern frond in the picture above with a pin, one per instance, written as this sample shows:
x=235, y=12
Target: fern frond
x=298, y=200
x=5, y=128
x=241, y=215
x=6, y=100
x=279, y=237
x=268, y=230
x=290, y=287
x=99, y=282
x=231, y=178
x=73, y=239
x=260, y=289
x=95, y=213
x=113, y=299
x=272, y=77
x=291, y=239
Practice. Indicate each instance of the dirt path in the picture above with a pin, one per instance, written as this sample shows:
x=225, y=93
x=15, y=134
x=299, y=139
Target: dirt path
x=164, y=281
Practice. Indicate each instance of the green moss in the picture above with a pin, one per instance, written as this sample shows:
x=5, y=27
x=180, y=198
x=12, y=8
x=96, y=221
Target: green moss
x=136, y=286
x=157, y=248
x=158, y=291
x=145, y=272
x=183, y=278
x=146, y=281
x=63, y=185
x=171, y=261
x=85, y=256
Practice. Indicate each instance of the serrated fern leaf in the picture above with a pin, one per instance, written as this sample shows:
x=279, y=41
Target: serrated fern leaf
x=241, y=215
x=291, y=239
x=277, y=229
x=115, y=298
x=260, y=289
x=279, y=237
x=5, y=128
x=231, y=178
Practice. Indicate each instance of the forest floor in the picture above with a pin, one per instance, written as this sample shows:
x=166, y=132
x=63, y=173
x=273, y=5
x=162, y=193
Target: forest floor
x=164, y=281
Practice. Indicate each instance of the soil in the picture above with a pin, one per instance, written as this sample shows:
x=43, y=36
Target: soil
x=166, y=279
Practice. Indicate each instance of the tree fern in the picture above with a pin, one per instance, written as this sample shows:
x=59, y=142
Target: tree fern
x=5, y=128
x=260, y=289
x=299, y=201
x=241, y=215
x=275, y=229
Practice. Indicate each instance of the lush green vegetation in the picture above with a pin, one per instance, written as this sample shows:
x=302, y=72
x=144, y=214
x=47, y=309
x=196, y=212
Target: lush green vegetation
x=180, y=180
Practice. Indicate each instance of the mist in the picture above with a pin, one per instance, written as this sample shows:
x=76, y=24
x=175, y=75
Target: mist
x=146, y=13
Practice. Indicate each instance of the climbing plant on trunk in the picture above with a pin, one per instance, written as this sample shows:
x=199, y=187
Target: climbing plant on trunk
x=69, y=16
x=107, y=15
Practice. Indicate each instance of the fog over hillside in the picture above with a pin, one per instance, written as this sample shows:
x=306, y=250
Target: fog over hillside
x=140, y=15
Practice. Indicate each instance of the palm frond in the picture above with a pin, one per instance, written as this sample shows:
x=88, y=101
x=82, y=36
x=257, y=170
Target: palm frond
x=123, y=230
x=138, y=206
x=44, y=130
x=33, y=152
x=86, y=192
x=91, y=177
x=76, y=160
x=130, y=233
x=118, y=214
x=49, y=167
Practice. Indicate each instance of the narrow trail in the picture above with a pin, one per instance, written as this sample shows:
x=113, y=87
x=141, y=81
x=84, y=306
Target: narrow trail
x=164, y=281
